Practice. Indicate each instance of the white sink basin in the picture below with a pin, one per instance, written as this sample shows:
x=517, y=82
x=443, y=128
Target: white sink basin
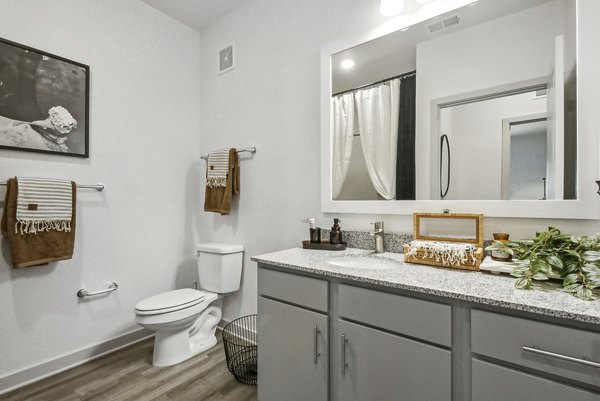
x=364, y=262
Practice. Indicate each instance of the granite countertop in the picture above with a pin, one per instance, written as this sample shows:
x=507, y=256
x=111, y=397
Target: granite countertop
x=483, y=288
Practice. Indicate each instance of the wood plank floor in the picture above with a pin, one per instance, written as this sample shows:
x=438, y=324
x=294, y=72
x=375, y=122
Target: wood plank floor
x=128, y=375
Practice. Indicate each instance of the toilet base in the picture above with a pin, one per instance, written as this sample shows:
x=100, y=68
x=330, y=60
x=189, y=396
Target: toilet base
x=175, y=346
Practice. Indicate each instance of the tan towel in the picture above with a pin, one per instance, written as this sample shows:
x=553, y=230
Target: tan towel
x=39, y=248
x=218, y=199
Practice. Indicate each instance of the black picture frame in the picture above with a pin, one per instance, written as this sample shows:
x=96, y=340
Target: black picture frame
x=44, y=102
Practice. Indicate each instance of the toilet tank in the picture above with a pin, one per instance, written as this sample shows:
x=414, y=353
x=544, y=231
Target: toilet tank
x=220, y=266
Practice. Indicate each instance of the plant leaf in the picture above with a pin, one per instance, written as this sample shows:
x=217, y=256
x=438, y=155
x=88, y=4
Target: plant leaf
x=540, y=276
x=570, y=279
x=573, y=288
x=570, y=268
x=523, y=283
x=590, y=268
x=591, y=256
x=584, y=293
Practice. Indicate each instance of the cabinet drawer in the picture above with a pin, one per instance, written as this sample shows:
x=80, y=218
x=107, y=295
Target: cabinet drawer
x=306, y=291
x=503, y=337
x=426, y=320
x=495, y=383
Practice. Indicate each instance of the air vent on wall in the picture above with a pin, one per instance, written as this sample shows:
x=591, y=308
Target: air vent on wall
x=446, y=23
x=435, y=27
x=226, y=60
x=454, y=20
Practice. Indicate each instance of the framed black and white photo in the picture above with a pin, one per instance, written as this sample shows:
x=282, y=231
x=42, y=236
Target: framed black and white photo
x=44, y=102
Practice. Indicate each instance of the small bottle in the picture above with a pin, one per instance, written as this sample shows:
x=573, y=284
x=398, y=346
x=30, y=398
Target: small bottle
x=315, y=232
x=336, y=233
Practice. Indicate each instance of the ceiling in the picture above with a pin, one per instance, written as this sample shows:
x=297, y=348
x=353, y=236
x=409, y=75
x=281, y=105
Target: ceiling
x=198, y=14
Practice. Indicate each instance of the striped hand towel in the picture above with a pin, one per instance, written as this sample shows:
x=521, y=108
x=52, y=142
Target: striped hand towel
x=217, y=168
x=43, y=204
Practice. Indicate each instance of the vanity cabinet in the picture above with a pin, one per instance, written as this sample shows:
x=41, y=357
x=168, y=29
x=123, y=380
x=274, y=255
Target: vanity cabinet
x=325, y=334
x=292, y=337
x=385, y=347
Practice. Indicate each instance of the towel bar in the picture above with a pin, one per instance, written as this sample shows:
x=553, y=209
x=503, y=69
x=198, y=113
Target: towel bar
x=82, y=293
x=251, y=150
x=98, y=187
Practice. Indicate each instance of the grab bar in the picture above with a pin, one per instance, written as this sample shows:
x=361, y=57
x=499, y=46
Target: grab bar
x=82, y=293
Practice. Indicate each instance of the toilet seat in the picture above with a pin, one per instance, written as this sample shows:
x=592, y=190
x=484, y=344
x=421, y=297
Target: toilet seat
x=185, y=311
x=170, y=301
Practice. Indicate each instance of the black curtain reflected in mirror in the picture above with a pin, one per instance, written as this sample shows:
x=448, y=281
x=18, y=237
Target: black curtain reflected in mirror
x=405, y=161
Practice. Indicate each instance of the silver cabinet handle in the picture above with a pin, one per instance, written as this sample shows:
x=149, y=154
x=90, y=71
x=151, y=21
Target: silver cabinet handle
x=316, y=352
x=344, y=364
x=538, y=351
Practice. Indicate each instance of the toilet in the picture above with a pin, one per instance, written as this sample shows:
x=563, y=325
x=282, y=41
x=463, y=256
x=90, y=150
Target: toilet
x=184, y=320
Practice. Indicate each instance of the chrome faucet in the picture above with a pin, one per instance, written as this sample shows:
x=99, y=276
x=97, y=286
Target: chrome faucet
x=378, y=234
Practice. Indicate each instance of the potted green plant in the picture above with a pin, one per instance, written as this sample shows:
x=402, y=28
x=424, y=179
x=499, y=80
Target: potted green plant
x=552, y=255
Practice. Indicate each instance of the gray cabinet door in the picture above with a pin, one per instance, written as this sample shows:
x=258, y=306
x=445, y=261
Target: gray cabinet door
x=386, y=367
x=496, y=383
x=287, y=345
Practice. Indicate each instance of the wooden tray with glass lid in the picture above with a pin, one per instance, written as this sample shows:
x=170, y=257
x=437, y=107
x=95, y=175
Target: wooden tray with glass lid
x=434, y=245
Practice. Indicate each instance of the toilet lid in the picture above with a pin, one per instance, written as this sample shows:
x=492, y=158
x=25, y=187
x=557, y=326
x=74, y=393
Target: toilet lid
x=170, y=301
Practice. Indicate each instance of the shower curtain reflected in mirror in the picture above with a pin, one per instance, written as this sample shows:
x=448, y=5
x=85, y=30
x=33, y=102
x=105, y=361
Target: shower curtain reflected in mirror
x=378, y=109
x=343, y=132
x=383, y=117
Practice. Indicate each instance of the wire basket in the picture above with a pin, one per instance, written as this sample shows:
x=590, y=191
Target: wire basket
x=239, y=340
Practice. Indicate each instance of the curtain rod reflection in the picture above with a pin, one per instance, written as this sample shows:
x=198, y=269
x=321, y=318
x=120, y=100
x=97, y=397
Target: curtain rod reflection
x=401, y=76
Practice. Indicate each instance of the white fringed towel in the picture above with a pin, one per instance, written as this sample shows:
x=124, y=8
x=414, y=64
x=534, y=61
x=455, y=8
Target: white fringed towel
x=43, y=204
x=217, y=168
x=448, y=253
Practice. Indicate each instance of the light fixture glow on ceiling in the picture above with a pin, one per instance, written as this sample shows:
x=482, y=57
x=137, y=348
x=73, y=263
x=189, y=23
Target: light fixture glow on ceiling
x=347, y=63
x=389, y=8
x=423, y=1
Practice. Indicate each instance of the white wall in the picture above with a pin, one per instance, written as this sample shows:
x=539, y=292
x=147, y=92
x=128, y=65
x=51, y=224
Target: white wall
x=144, y=140
x=479, y=58
x=271, y=100
x=475, y=136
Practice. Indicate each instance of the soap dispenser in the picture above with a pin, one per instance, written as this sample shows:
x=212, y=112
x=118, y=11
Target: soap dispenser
x=336, y=233
x=315, y=232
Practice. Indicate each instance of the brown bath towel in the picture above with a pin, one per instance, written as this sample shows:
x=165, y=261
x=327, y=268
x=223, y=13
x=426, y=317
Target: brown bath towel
x=35, y=249
x=218, y=199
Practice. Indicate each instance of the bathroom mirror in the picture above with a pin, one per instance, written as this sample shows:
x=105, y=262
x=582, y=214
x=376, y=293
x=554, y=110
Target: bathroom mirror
x=478, y=103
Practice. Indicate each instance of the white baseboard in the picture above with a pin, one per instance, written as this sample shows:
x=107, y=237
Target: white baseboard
x=35, y=373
